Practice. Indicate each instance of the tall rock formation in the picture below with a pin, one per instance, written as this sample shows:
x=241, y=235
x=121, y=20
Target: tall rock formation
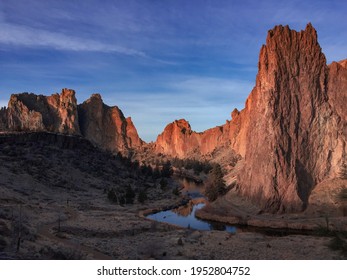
x=292, y=132
x=294, y=138
x=107, y=127
x=55, y=113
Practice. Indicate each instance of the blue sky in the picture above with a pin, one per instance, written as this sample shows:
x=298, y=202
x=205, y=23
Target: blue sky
x=158, y=60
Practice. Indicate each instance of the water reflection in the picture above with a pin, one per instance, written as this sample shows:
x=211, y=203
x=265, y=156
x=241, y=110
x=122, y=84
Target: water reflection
x=184, y=216
x=191, y=188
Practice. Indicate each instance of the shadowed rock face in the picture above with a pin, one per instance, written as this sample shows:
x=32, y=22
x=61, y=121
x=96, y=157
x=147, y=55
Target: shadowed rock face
x=296, y=134
x=55, y=113
x=106, y=126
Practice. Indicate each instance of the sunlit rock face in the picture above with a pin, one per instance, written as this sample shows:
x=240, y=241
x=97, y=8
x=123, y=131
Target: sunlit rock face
x=179, y=140
x=296, y=133
x=55, y=113
x=106, y=126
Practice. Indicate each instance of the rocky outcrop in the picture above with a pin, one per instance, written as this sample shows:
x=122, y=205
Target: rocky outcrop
x=179, y=140
x=295, y=136
x=107, y=127
x=56, y=113
x=104, y=126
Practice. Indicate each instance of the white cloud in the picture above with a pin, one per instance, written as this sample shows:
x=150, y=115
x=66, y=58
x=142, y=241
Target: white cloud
x=30, y=37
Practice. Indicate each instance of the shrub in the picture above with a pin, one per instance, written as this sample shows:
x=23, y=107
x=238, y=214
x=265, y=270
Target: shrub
x=111, y=195
x=129, y=195
x=215, y=185
x=167, y=170
x=142, y=197
x=175, y=191
x=163, y=183
x=338, y=243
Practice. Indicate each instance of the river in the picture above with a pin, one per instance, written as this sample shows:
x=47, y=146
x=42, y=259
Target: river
x=184, y=216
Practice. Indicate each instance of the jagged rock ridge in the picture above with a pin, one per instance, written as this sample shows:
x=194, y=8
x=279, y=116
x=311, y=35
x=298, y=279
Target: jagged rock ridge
x=179, y=140
x=104, y=126
x=30, y=112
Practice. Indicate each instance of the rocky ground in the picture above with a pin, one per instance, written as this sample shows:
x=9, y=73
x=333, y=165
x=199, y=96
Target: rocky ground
x=54, y=201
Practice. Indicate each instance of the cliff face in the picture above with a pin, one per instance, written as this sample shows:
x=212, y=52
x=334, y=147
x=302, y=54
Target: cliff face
x=337, y=88
x=55, y=113
x=292, y=132
x=106, y=126
x=294, y=137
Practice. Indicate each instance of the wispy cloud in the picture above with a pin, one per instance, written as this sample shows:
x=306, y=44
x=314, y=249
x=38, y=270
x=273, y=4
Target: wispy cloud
x=30, y=37
x=189, y=48
x=204, y=101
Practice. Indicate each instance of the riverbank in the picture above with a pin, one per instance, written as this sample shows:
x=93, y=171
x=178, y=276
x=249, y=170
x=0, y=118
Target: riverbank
x=235, y=210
